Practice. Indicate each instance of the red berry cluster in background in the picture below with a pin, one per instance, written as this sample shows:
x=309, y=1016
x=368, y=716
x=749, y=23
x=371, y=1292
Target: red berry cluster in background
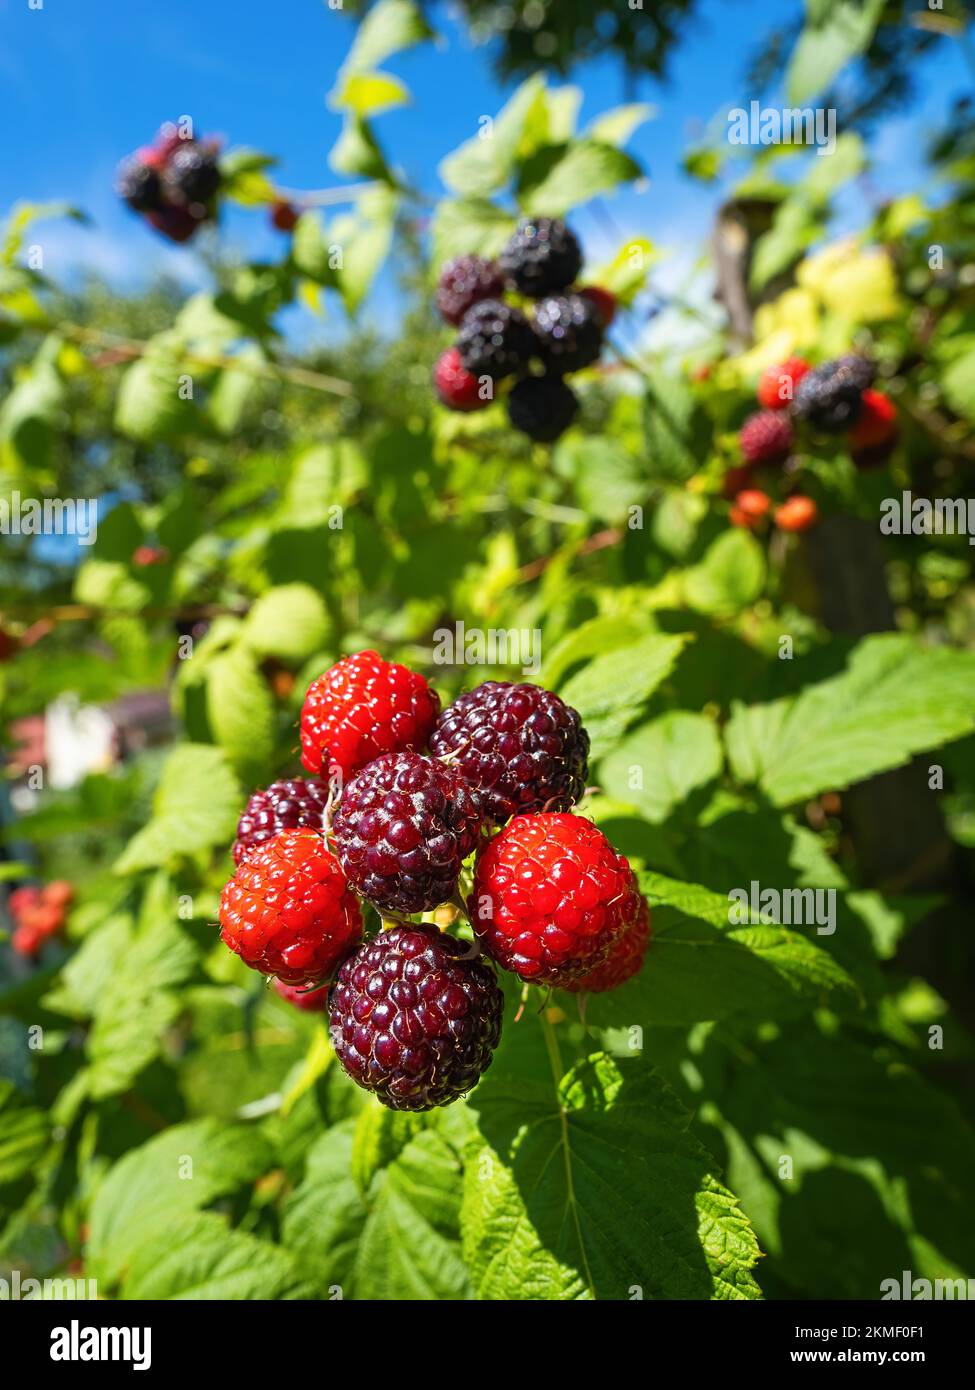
x=415, y=1013
x=173, y=183
x=836, y=398
x=497, y=341
x=38, y=914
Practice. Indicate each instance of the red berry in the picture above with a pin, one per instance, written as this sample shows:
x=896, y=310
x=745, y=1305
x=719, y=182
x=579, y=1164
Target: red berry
x=284, y=217
x=403, y=828
x=361, y=707
x=735, y=479
x=876, y=423
x=412, y=1020
x=26, y=941
x=765, y=437
x=751, y=507
x=45, y=920
x=465, y=282
x=311, y=1001
x=777, y=385
x=624, y=960
x=288, y=910
x=21, y=900
x=58, y=893
x=797, y=513
x=551, y=897
x=145, y=555
x=296, y=804
x=603, y=301
x=458, y=389
x=8, y=644
x=176, y=223
x=520, y=746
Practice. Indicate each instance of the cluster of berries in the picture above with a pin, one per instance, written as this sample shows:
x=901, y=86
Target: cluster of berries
x=496, y=340
x=173, y=183
x=38, y=914
x=835, y=398
x=415, y=1014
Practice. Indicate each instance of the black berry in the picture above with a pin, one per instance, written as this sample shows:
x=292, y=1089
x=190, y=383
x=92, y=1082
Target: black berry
x=138, y=185
x=520, y=746
x=830, y=397
x=403, y=828
x=495, y=340
x=295, y=804
x=412, y=1020
x=465, y=282
x=570, y=331
x=543, y=407
x=192, y=174
x=542, y=256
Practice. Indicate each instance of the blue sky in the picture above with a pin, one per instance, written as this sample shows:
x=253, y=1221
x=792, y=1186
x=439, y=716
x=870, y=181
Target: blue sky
x=85, y=83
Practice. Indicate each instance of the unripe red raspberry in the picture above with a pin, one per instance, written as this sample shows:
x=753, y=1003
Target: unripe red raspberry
x=284, y=217
x=463, y=283
x=797, y=513
x=765, y=437
x=288, y=910
x=414, y=1019
x=457, y=388
x=298, y=803
x=26, y=941
x=751, y=507
x=361, y=707
x=876, y=423
x=145, y=555
x=625, y=959
x=21, y=900
x=777, y=385
x=404, y=826
x=58, y=893
x=310, y=1001
x=44, y=919
x=551, y=897
x=520, y=747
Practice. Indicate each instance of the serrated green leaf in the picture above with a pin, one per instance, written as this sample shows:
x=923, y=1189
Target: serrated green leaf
x=486, y=162
x=240, y=708
x=831, y=37
x=729, y=577
x=595, y=1188
x=586, y=169
x=616, y=126
x=199, y=1257
x=612, y=689
x=469, y=226
x=657, y=766
x=896, y=698
x=24, y=1135
x=195, y=807
x=290, y=622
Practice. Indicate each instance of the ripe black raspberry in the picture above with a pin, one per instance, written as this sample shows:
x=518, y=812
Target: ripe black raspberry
x=192, y=174
x=465, y=282
x=542, y=256
x=412, y=1020
x=495, y=340
x=570, y=331
x=543, y=407
x=295, y=804
x=403, y=828
x=830, y=397
x=138, y=185
x=521, y=747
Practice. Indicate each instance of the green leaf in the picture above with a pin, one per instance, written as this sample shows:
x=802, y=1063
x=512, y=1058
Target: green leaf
x=729, y=577
x=896, y=698
x=469, y=225
x=832, y=35
x=391, y=26
x=369, y=93
x=586, y=169
x=595, y=1188
x=592, y=638
x=626, y=274
x=30, y=415
x=180, y=1171
x=243, y=178
x=151, y=402
x=486, y=162
x=324, y=476
x=311, y=251
x=365, y=238
x=237, y=391
x=24, y=1135
x=357, y=152
x=198, y=1257
x=612, y=689
x=699, y=968
x=657, y=766
x=195, y=807
x=608, y=480
x=240, y=709
x=290, y=622
x=958, y=384
x=616, y=126
x=126, y=1035
x=676, y=434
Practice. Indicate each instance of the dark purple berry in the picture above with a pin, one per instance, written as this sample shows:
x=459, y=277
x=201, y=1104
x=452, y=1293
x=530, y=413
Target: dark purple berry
x=412, y=1020
x=569, y=330
x=404, y=826
x=542, y=256
x=521, y=747
x=138, y=185
x=543, y=407
x=192, y=174
x=495, y=340
x=465, y=282
x=830, y=397
x=296, y=804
